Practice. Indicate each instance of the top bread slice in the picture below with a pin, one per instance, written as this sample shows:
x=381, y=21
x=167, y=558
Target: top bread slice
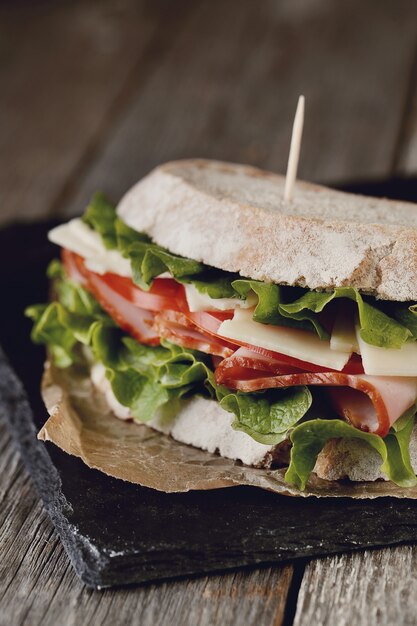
x=235, y=218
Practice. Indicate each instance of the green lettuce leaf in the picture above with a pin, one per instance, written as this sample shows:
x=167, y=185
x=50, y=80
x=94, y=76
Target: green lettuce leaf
x=309, y=438
x=214, y=283
x=143, y=378
x=407, y=316
x=100, y=215
x=126, y=236
x=268, y=416
x=148, y=260
x=48, y=329
x=270, y=309
x=149, y=378
x=69, y=321
x=376, y=327
x=142, y=395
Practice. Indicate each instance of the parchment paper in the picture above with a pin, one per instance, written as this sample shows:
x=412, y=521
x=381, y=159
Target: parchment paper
x=81, y=424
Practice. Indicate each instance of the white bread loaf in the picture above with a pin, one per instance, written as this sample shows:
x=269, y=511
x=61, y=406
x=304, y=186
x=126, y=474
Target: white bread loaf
x=234, y=217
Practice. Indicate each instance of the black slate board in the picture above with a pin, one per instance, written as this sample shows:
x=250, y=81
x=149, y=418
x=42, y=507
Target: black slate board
x=116, y=533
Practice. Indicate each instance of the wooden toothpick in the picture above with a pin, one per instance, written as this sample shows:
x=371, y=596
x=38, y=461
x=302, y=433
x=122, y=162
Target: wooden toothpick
x=297, y=133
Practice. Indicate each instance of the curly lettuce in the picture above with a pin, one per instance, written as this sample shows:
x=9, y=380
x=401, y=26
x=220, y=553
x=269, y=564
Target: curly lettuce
x=267, y=417
x=148, y=260
x=145, y=378
x=309, y=438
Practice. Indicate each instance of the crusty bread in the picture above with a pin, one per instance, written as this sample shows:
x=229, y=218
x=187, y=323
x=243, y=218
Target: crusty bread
x=235, y=218
x=355, y=460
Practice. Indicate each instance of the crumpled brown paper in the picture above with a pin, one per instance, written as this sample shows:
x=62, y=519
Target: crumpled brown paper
x=81, y=424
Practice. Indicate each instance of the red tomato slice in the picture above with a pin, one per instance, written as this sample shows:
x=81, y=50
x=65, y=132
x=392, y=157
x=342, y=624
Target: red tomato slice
x=131, y=318
x=164, y=294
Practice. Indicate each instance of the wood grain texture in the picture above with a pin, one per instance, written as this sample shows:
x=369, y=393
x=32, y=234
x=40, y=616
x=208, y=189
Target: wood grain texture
x=370, y=588
x=65, y=72
x=39, y=587
x=229, y=87
x=406, y=158
x=29, y=547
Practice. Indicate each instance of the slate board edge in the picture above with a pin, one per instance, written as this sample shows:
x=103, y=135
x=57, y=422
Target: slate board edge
x=95, y=568
x=15, y=409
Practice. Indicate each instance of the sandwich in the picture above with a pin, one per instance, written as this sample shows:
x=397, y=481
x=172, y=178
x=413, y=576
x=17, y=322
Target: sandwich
x=279, y=334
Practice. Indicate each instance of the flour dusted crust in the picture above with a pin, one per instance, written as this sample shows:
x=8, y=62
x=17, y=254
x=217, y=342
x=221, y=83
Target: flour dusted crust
x=234, y=217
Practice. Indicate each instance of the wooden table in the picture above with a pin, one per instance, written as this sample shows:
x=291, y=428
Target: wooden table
x=94, y=94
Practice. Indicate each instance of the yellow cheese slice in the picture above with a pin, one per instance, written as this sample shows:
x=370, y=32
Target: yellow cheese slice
x=388, y=362
x=299, y=344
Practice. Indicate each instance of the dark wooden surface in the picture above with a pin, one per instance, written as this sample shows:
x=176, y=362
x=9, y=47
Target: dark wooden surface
x=96, y=92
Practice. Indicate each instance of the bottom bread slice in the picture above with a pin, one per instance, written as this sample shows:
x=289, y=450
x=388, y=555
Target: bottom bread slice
x=198, y=422
x=204, y=424
x=355, y=460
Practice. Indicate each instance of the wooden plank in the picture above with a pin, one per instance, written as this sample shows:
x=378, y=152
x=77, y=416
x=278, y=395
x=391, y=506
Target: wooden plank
x=374, y=587
x=66, y=70
x=229, y=87
x=38, y=585
x=406, y=158
x=257, y=598
x=29, y=546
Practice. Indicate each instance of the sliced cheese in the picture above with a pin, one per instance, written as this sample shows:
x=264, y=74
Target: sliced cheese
x=299, y=344
x=202, y=302
x=81, y=239
x=388, y=362
x=343, y=337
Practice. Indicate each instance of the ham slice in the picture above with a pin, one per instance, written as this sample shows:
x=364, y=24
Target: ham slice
x=371, y=403
x=71, y=264
x=179, y=329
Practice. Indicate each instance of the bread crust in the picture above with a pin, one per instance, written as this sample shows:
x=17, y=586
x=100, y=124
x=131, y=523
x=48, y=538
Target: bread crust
x=234, y=217
x=355, y=460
